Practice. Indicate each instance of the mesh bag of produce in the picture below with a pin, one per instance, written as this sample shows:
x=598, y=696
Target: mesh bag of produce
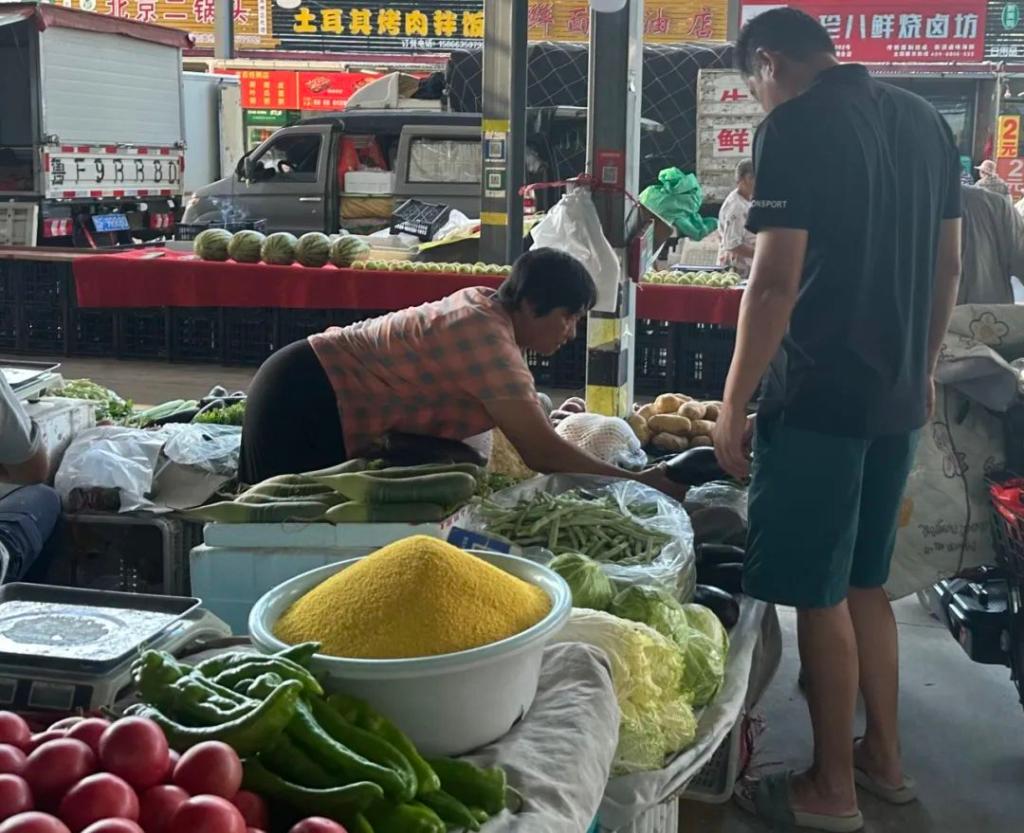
x=558, y=513
x=610, y=439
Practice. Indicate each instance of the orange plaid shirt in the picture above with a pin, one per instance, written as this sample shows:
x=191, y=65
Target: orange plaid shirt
x=425, y=370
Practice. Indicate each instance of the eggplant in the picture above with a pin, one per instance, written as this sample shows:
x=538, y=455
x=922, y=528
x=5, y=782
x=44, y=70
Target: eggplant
x=723, y=605
x=695, y=467
x=712, y=554
x=727, y=577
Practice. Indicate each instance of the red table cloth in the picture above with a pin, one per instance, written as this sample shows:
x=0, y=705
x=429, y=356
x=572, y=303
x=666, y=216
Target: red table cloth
x=134, y=279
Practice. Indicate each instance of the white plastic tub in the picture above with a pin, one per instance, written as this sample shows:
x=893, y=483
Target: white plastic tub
x=448, y=704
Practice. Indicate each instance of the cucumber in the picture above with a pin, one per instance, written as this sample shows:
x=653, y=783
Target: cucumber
x=357, y=464
x=427, y=468
x=354, y=512
x=285, y=480
x=286, y=491
x=326, y=499
x=233, y=512
x=448, y=489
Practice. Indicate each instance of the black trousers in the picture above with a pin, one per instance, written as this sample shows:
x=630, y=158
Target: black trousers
x=292, y=423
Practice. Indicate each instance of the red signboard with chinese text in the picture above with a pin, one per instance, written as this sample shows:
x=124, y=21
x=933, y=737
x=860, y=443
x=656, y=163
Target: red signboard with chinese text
x=1012, y=170
x=269, y=90
x=887, y=31
x=330, y=90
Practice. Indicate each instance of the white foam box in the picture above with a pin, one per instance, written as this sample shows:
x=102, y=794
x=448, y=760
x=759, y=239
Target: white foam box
x=370, y=182
x=240, y=562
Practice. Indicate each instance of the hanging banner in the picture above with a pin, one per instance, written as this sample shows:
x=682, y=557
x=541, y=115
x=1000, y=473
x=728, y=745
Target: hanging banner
x=1008, y=146
x=252, y=17
x=1004, y=31
x=897, y=31
x=444, y=25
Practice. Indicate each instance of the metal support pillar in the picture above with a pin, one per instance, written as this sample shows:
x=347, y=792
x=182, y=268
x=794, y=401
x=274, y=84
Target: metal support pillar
x=732, y=25
x=224, y=29
x=613, y=153
x=504, y=129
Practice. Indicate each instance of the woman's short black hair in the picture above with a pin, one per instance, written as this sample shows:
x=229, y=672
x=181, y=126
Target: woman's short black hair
x=792, y=32
x=549, y=280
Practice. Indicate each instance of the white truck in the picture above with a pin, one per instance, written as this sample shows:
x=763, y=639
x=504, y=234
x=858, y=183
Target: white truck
x=92, y=130
x=214, y=129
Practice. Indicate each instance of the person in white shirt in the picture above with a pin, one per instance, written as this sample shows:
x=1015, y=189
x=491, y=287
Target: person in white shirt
x=737, y=247
x=29, y=514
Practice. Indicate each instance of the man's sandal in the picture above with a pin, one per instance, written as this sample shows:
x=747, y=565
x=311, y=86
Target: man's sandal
x=768, y=798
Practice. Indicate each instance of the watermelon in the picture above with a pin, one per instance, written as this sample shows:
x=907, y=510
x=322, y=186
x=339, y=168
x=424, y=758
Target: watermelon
x=314, y=249
x=245, y=246
x=212, y=244
x=279, y=249
x=346, y=250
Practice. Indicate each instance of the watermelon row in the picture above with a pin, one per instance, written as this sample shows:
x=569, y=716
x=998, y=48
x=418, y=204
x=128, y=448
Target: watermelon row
x=280, y=249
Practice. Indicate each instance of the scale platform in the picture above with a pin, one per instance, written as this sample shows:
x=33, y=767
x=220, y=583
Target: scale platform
x=67, y=648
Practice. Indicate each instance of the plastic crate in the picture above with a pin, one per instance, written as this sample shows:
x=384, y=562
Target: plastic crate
x=41, y=329
x=655, y=363
x=191, y=231
x=143, y=333
x=420, y=219
x=570, y=364
x=197, y=334
x=8, y=326
x=249, y=335
x=10, y=276
x=715, y=783
x=703, y=353
x=542, y=368
x=91, y=332
x=663, y=818
x=44, y=283
x=297, y=324
x=129, y=553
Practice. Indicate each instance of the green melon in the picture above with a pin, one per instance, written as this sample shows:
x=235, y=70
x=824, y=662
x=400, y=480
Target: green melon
x=212, y=244
x=314, y=249
x=345, y=251
x=279, y=249
x=244, y=246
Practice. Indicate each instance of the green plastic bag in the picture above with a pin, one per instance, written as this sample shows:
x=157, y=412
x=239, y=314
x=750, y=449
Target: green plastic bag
x=677, y=198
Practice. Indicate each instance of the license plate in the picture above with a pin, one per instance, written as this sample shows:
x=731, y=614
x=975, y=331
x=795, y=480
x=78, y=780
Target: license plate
x=92, y=172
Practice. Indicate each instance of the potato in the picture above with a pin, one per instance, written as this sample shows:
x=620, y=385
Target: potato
x=640, y=428
x=684, y=397
x=698, y=442
x=667, y=403
x=711, y=410
x=670, y=442
x=670, y=424
x=645, y=412
x=702, y=427
x=692, y=410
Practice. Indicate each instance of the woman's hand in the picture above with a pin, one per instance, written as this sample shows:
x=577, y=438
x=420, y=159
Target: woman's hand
x=656, y=478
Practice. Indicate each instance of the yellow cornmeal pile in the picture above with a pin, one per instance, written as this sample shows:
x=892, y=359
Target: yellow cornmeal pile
x=414, y=598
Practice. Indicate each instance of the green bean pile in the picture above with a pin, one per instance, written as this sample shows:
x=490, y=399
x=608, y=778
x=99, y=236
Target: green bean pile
x=571, y=522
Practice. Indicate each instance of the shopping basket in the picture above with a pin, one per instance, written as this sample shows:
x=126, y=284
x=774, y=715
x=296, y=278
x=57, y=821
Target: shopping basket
x=190, y=231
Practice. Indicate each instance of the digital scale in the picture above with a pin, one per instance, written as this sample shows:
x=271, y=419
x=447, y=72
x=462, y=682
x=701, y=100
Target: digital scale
x=67, y=648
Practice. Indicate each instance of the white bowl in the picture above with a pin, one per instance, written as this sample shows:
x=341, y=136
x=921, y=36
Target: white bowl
x=448, y=704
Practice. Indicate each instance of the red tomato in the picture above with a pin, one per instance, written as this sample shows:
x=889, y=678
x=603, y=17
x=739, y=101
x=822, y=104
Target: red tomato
x=157, y=805
x=14, y=730
x=15, y=796
x=89, y=732
x=210, y=768
x=207, y=814
x=113, y=826
x=253, y=809
x=55, y=766
x=100, y=796
x=40, y=738
x=33, y=823
x=135, y=749
x=317, y=824
x=12, y=759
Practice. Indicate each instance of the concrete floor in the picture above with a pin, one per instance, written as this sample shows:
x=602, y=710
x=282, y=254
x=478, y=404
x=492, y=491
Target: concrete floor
x=963, y=735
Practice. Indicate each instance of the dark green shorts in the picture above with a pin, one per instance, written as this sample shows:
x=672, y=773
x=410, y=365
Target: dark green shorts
x=823, y=512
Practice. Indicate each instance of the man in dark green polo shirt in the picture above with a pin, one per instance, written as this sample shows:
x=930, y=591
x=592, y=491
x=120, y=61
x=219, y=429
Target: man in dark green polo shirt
x=856, y=211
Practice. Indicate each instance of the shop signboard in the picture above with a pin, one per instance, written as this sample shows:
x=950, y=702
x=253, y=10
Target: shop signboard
x=897, y=31
x=268, y=89
x=444, y=25
x=267, y=118
x=330, y=90
x=1004, y=31
x=276, y=90
x=1008, y=144
x=1012, y=171
x=727, y=119
x=252, y=17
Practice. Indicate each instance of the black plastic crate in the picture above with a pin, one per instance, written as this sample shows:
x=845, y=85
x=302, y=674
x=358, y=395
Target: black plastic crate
x=570, y=364
x=421, y=219
x=655, y=363
x=297, y=324
x=44, y=283
x=192, y=230
x=91, y=332
x=197, y=334
x=10, y=277
x=703, y=353
x=249, y=335
x=142, y=333
x=42, y=329
x=542, y=368
x=8, y=325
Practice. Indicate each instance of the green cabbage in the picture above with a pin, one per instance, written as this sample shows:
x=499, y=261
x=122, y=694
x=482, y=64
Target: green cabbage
x=589, y=585
x=704, y=620
x=647, y=673
x=703, y=655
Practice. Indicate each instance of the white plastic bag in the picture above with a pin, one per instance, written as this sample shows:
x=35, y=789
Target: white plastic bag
x=573, y=227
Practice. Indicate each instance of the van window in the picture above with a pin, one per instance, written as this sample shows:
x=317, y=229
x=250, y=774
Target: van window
x=445, y=160
x=291, y=158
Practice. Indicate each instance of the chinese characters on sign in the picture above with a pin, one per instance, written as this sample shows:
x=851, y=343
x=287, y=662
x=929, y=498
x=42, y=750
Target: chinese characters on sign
x=665, y=21
x=882, y=31
x=1004, y=31
x=290, y=90
x=727, y=120
x=1012, y=170
x=252, y=17
x=1008, y=146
